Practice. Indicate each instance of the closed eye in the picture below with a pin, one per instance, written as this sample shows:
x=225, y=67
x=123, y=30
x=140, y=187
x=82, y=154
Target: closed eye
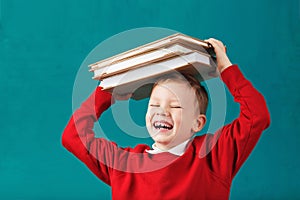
x=171, y=106
x=175, y=106
x=154, y=105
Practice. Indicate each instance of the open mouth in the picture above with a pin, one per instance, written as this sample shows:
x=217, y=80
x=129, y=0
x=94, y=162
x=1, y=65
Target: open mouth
x=162, y=125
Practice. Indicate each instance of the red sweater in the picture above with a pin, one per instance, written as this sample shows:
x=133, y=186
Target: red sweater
x=204, y=171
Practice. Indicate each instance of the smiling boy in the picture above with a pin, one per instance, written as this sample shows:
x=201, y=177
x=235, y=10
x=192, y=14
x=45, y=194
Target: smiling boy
x=174, y=115
x=179, y=165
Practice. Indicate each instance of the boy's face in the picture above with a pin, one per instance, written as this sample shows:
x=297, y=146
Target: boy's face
x=173, y=114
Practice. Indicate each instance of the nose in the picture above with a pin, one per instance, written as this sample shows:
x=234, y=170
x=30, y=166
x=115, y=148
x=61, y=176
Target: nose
x=163, y=111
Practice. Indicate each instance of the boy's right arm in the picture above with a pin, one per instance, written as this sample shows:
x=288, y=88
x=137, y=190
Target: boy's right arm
x=79, y=138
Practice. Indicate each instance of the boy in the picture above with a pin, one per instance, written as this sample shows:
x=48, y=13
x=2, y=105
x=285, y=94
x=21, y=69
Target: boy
x=179, y=166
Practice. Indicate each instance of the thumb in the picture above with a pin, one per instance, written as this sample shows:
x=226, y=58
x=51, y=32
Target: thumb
x=214, y=73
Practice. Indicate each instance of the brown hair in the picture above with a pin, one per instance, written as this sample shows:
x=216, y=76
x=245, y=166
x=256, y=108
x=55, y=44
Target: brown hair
x=200, y=91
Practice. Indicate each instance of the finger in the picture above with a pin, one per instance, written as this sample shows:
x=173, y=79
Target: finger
x=216, y=44
x=212, y=42
x=122, y=96
x=215, y=41
x=213, y=74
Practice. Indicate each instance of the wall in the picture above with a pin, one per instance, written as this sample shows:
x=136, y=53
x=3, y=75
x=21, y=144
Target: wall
x=42, y=46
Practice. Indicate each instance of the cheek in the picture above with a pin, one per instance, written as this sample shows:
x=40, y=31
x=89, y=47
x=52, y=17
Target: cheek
x=177, y=117
x=152, y=110
x=150, y=113
x=148, y=117
x=183, y=121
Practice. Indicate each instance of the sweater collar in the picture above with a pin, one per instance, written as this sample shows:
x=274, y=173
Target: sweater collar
x=177, y=150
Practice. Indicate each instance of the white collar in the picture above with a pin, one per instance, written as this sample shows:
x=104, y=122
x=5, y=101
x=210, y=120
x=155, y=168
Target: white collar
x=177, y=150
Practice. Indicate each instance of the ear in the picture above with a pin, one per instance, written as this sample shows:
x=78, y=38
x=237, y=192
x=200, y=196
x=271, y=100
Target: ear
x=199, y=123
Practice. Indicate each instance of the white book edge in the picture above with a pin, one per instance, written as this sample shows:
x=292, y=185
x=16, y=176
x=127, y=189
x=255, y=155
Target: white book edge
x=149, y=46
x=132, y=52
x=144, y=58
x=154, y=69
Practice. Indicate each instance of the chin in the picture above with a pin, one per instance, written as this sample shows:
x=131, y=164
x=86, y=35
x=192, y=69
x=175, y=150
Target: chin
x=162, y=137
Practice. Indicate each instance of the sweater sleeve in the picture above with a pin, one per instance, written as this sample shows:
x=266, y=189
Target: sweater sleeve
x=79, y=138
x=231, y=145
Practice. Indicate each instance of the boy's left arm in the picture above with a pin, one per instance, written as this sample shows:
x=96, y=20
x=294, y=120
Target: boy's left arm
x=232, y=144
x=243, y=133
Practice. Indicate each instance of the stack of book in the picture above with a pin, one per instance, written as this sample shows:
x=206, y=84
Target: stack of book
x=136, y=70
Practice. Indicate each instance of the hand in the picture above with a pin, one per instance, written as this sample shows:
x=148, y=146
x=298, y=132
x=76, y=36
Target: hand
x=220, y=50
x=121, y=97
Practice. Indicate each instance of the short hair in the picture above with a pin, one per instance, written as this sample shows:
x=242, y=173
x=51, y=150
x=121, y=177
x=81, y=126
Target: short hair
x=200, y=91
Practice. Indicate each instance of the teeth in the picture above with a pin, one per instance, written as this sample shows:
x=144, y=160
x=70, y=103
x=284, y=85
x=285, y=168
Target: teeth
x=162, y=125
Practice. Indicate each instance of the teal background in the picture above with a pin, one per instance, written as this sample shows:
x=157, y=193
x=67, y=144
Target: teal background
x=43, y=43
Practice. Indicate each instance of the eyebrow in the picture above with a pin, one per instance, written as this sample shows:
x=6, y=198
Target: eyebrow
x=157, y=99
